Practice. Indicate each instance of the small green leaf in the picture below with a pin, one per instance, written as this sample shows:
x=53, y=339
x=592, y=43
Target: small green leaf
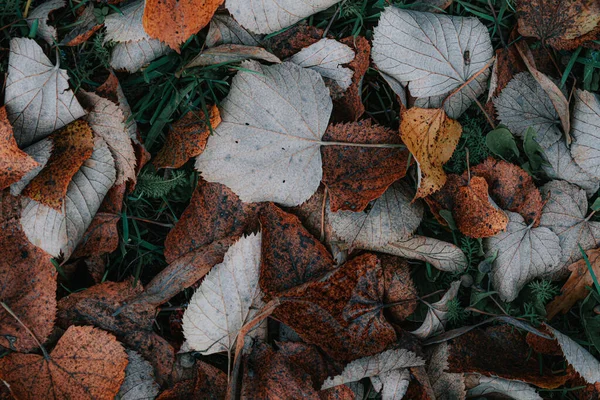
x=34, y=28
x=502, y=143
x=596, y=205
x=533, y=150
x=447, y=215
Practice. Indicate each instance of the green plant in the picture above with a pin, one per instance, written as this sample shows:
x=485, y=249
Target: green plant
x=155, y=186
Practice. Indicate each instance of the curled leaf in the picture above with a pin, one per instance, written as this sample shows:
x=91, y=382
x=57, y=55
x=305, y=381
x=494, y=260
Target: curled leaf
x=224, y=29
x=437, y=315
x=231, y=53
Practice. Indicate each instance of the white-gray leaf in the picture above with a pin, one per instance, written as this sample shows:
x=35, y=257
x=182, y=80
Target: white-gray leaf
x=230, y=53
x=512, y=389
x=40, y=152
x=139, y=383
x=446, y=385
x=580, y=359
x=396, y=87
x=585, y=130
x=37, y=97
x=523, y=253
x=392, y=385
x=565, y=214
x=377, y=364
x=267, y=147
x=523, y=104
x=57, y=232
x=225, y=30
x=132, y=56
x=126, y=26
x=40, y=13
x=268, y=16
x=562, y=166
x=437, y=315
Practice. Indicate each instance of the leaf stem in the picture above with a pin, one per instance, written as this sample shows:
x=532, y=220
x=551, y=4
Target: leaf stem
x=8, y=310
x=368, y=145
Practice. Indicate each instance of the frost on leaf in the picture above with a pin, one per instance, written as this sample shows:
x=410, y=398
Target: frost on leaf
x=40, y=14
x=586, y=136
x=585, y=364
x=435, y=55
x=226, y=300
x=562, y=166
x=437, y=315
x=267, y=147
x=37, y=97
x=522, y=254
x=14, y=163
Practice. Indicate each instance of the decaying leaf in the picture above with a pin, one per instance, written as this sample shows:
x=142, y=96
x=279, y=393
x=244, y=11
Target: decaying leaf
x=399, y=287
x=224, y=29
x=85, y=26
x=586, y=145
x=139, y=379
x=585, y=364
x=483, y=385
x=393, y=384
x=40, y=152
x=231, y=53
x=37, y=96
x=437, y=315
x=14, y=163
x=445, y=385
x=436, y=55
x=562, y=166
x=40, y=14
x=27, y=283
x=287, y=43
x=267, y=147
x=431, y=137
x=523, y=253
x=86, y=363
x=227, y=299
x=523, y=104
x=271, y=16
x=173, y=22
x=355, y=176
x=565, y=214
x=575, y=288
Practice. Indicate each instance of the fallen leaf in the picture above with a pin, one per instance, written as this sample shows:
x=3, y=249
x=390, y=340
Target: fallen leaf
x=437, y=315
x=14, y=163
x=483, y=386
x=399, y=287
x=442, y=255
x=208, y=382
x=40, y=15
x=187, y=138
x=267, y=149
x=476, y=215
x=231, y=53
x=270, y=16
x=393, y=384
x=575, y=288
x=40, y=152
x=227, y=299
x=441, y=55
x=139, y=379
x=565, y=214
x=355, y=176
x=131, y=56
x=431, y=137
x=85, y=26
x=27, y=283
x=223, y=29
x=523, y=104
x=377, y=364
x=445, y=198
x=86, y=363
x=287, y=43
x=433, y=5
x=445, y=385
x=585, y=364
x=562, y=166
x=586, y=117
x=71, y=147
x=59, y=233
x=173, y=22
x=522, y=254
x=564, y=25
x=37, y=96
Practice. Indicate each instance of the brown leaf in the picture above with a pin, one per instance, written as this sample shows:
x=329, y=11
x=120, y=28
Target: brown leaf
x=431, y=137
x=27, y=283
x=473, y=212
x=399, y=287
x=71, y=146
x=445, y=198
x=210, y=382
x=511, y=188
x=86, y=363
x=186, y=138
x=564, y=25
x=155, y=349
x=173, y=21
x=14, y=163
x=357, y=175
x=293, y=40
x=575, y=288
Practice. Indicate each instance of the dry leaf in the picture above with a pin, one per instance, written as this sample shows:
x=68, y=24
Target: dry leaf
x=139, y=381
x=442, y=255
x=174, y=21
x=85, y=26
x=586, y=145
x=227, y=299
x=14, y=163
x=37, y=97
x=436, y=55
x=40, y=14
x=522, y=254
x=483, y=385
x=445, y=198
x=132, y=56
x=562, y=166
x=231, y=53
x=355, y=176
x=399, y=287
x=565, y=214
x=270, y=16
x=476, y=215
x=445, y=385
x=431, y=137
x=225, y=30
x=40, y=152
x=392, y=385
x=575, y=288
x=27, y=283
x=86, y=363
x=267, y=146
x=437, y=315
x=585, y=364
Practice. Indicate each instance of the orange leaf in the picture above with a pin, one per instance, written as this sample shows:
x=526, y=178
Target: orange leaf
x=174, y=21
x=431, y=137
x=14, y=163
x=86, y=363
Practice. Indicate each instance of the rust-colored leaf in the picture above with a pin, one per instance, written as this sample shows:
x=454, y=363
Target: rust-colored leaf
x=399, y=287
x=357, y=175
x=174, y=21
x=575, y=288
x=86, y=363
x=475, y=215
x=511, y=188
x=71, y=146
x=431, y=137
x=27, y=283
x=293, y=40
x=187, y=138
x=14, y=163
x=445, y=198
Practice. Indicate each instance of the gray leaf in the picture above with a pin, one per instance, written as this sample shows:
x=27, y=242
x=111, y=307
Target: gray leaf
x=40, y=13
x=225, y=30
x=562, y=166
x=586, y=132
x=139, y=383
x=580, y=359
